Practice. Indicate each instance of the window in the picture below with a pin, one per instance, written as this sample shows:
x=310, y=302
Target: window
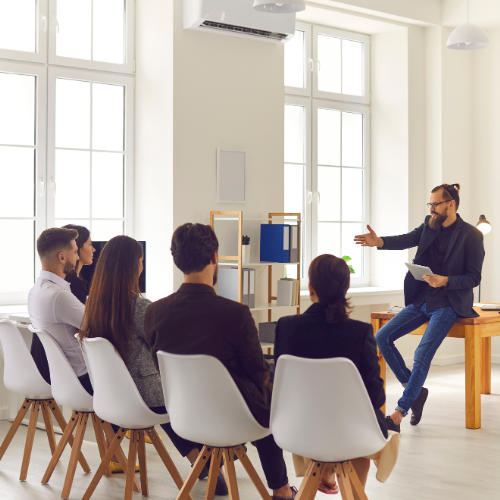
x=327, y=120
x=66, y=134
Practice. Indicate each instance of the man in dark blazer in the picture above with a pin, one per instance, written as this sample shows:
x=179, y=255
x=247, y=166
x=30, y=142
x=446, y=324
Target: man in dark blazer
x=195, y=320
x=454, y=252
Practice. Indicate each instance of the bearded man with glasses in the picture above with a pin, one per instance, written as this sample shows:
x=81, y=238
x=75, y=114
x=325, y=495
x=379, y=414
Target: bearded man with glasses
x=454, y=251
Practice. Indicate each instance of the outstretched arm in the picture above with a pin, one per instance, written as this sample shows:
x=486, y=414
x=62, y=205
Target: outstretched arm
x=369, y=239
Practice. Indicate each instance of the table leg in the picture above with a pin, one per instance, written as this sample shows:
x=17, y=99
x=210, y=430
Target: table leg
x=377, y=324
x=472, y=377
x=486, y=366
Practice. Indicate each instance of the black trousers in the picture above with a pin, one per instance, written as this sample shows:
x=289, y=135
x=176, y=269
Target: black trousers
x=40, y=358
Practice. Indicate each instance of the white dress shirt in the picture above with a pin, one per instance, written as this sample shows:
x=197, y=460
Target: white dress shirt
x=53, y=308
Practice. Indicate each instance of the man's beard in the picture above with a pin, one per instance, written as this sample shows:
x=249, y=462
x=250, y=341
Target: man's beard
x=438, y=221
x=216, y=274
x=68, y=267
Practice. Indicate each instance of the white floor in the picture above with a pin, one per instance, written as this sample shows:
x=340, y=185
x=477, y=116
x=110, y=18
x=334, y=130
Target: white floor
x=439, y=459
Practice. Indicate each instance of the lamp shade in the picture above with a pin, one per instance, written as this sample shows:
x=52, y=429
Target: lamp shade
x=483, y=225
x=282, y=7
x=468, y=37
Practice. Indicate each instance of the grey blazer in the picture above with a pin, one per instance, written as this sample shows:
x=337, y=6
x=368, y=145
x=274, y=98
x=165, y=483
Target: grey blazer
x=140, y=361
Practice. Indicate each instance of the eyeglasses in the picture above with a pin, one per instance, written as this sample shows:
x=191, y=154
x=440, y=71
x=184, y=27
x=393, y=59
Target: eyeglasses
x=435, y=205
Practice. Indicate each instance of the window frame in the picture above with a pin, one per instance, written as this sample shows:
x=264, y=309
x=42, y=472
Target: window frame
x=42, y=26
x=357, y=37
x=40, y=72
x=127, y=67
x=307, y=28
x=100, y=77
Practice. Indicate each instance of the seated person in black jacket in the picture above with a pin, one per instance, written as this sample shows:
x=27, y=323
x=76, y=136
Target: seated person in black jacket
x=325, y=331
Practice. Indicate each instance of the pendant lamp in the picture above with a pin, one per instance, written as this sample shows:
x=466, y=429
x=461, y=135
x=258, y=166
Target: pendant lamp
x=483, y=225
x=468, y=37
x=283, y=7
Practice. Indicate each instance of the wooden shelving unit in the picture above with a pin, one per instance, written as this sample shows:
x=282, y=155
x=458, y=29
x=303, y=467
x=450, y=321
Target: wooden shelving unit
x=237, y=260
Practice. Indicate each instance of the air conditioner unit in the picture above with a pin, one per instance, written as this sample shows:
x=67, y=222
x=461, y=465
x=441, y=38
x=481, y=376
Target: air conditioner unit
x=237, y=18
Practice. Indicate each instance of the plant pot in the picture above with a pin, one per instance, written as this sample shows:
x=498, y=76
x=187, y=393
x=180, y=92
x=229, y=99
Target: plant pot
x=245, y=254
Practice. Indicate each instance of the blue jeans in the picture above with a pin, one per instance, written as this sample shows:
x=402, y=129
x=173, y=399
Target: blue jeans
x=407, y=320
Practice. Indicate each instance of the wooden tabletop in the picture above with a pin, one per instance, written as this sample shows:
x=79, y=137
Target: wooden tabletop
x=483, y=318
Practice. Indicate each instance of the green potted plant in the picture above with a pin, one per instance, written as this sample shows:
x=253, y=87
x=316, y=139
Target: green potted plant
x=347, y=259
x=245, y=249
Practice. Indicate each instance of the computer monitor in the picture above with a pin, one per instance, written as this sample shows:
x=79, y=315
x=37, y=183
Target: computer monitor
x=87, y=272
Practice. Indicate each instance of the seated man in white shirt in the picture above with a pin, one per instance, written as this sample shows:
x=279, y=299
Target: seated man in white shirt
x=51, y=305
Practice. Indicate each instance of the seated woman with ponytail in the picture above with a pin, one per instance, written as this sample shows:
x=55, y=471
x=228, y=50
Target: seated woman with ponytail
x=325, y=331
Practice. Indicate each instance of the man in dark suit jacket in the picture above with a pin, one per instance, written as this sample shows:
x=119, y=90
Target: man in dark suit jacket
x=454, y=252
x=195, y=320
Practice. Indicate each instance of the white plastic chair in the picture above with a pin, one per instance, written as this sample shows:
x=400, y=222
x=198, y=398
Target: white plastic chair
x=21, y=376
x=117, y=400
x=206, y=406
x=321, y=410
x=69, y=392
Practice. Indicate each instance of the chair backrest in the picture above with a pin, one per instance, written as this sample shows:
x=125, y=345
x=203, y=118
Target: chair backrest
x=116, y=397
x=204, y=403
x=321, y=410
x=66, y=388
x=20, y=373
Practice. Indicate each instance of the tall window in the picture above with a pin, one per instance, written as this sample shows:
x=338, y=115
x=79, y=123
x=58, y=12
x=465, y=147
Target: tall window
x=327, y=118
x=66, y=133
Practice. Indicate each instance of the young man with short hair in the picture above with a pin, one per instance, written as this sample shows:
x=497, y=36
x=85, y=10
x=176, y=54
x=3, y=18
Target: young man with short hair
x=454, y=252
x=195, y=320
x=51, y=305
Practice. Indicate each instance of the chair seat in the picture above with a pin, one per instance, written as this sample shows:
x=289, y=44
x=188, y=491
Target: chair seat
x=37, y=395
x=228, y=440
x=145, y=420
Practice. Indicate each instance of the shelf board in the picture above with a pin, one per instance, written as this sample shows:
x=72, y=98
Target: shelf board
x=266, y=307
x=251, y=264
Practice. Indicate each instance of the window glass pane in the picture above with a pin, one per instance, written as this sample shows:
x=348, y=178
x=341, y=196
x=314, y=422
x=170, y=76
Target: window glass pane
x=20, y=233
x=18, y=25
x=329, y=189
x=107, y=185
x=107, y=116
x=352, y=139
x=352, y=67
x=108, y=29
x=294, y=61
x=294, y=189
x=352, y=194
x=329, y=75
x=17, y=171
x=104, y=230
x=294, y=133
x=17, y=109
x=72, y=114
x=329, y=238
x=328, y=137
x=72, y=184
x=350, y=248
x=75, y=28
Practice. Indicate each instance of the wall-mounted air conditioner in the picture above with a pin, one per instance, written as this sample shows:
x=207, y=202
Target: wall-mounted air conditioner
x=237, y=18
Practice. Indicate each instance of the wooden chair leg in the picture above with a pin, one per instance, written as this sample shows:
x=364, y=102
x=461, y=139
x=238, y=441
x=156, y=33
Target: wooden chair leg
x=310, y=483
x=35, y=410
x=201, y=461
x=356, y=483
x=15, y=425
x=169, y=464
x=120, y=455
x=344, y=483
x=60, y=448
x=101, y=442
x=132, y=456
x=77, y=446
x=47, y=419
x=232, y=483
x=141, y=451
x=62, y=424
x=213, y=473
x=113, y=447
x=252, y=473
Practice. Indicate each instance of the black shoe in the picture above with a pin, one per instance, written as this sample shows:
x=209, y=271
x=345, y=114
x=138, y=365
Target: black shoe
x=391, y=426
x=418, y=406
x=294, y=494
x=221, y=486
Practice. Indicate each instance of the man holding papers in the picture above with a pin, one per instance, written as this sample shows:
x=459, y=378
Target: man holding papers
x=454, y=252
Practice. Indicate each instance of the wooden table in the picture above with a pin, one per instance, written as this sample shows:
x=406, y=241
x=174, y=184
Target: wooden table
x=477, y=333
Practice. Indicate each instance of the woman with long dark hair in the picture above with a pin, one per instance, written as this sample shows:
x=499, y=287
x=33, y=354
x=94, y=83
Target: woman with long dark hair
x=325, y=331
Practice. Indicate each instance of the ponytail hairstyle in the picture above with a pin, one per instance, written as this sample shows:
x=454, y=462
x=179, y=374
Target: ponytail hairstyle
x=330, y=278
x=450, y=192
